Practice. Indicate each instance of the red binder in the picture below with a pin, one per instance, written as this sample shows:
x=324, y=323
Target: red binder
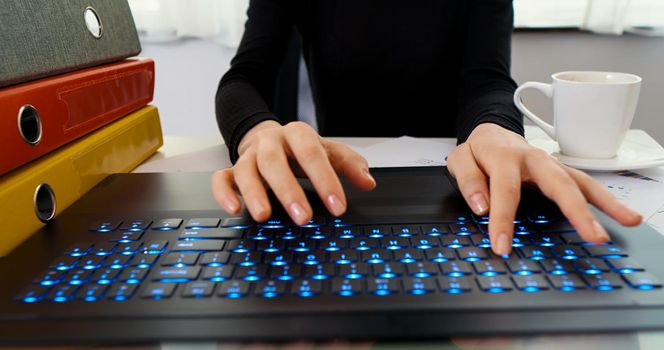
x=39, y=116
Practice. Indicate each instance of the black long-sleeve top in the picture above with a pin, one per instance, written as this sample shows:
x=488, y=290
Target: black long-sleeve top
x=428, y=68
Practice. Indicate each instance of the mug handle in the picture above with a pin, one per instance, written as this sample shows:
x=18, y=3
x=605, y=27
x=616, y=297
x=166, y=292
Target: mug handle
x=547, y=90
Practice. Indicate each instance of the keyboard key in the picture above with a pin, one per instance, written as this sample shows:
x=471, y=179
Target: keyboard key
x=117, y=261
x=394, y=243
x=455, y=268
x=405, y=230
x=557, y=267
x=120, y=291
x=241, y=222
x=480, y=240
x=625, y=265
x=606, y=251
x=494, y=284
x=332, y=244
x=465, y=229
x=270, y=288
x=180, y=259
x=422, y=269
x=546, y=239
x=61, y=293
x=175, y=274
x=217, y=274
x=144, y=261
x=128, y=248
x=556, y=227
x=158, y=290
x=524, y=229
x=518, y=242
x=198, y=246
x=215, y=259
x=568, y=252
x=167, y=224
x=91, y=262
x=79, y=249
x=346, y=287
x=534, y=252
x=104, y=276
x=424, y=242
x=316, y=232
x=287, y=234
x=202, y=223
x=247, y=259
x=387, y=270
x=591, y=266
x=77, y=277
x=233, y=289
x=530, y=283
x=275, y=223
x=490, y=267
x=363, y=243
x=353, y=271
x=136, y=225
x=419, y=286
x=435, y=230
x=542, y=218
x=202, y=234
x=105, y=225
x=64, y=263
x=241, y=246
x=455, y=285
x=642, y=281
x=440, y=254
x=133, y=275
x=306, y=288
x=49, y=278
x=311, y=258
x=271, y=245
x=572, y=238
x=32, y=294
x=603, y=282
x=472, y=253
x=198, y=290
x=347, y=232
x=407, y=256
x=383, y=286
x=455, y=241
x=124, y=236
x=319, y=272
x=377, y=231
x=154, y=247
x=261, y=233
x=522, y=266
x=344, y=257
x=91, y=292
x=301, y=245
x=251, y=273
x=285, y=273
x=279, y=259
x=103, y=248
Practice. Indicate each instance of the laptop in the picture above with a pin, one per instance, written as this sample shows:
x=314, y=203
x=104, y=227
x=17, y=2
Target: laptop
x=151, y=257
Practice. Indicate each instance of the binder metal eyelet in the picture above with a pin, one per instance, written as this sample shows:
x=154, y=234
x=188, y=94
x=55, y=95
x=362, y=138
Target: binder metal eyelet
x=44, y=203
x=29, y=124
x=92, y=22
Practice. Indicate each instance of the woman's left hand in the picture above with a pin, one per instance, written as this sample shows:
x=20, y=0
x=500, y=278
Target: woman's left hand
x=493, y=162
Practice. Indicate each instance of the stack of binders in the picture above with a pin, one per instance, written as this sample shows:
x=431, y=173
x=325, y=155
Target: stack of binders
x=73, y=106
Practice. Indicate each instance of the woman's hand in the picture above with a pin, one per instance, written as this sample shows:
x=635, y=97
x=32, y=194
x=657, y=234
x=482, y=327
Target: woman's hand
x=271, y=155
x=493, y=162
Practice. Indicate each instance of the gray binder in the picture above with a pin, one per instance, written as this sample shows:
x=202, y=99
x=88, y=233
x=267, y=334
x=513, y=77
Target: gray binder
x=40, y=38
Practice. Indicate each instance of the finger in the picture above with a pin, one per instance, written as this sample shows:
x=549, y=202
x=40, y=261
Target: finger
x=505, y=187
x=274, y=168
x=350, y=164
x=558, y=185
x=470, y=178
x=305, y=146
x=249, y=182
x=599, y=195
x=224, y=192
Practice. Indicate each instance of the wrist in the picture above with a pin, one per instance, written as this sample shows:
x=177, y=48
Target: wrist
x=245, y=142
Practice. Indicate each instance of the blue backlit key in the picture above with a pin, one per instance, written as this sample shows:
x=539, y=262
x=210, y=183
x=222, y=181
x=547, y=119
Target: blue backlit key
x=422, y=269
x=387, y=270
x=353, y=271
x=494, y=284
x=557, y=267
x=198, y=246
x=566, y=283
x=144, y=261
x=240, y=223
x=103, y=248
x=271, y=245
x=180, y=259
x=279, y=258
x=534, y=252
x=128, y=248
x=604, y=282
x=344, y=257
x=209, y=233
x=456, y=268
x=133, y=275
x=424, y=242
x=91, y=262
x=116, y=261
x=120, y=291
x=202, y=223
x=394, y=243
x=275, y=223
x=455, y=285
x=492, y=267
x=61, y=293
x=546, y=239
x=419, y=286
x=310, y=258
x=104, y=225
x=77, y=277
x=568, y=252
x=64, y=263
x=104, y=276
x=383, y=286
x=591, y=266
x=49, y=278
x=440, y=254
x=167, y=224
x=247, y=259
x=407, y=256
x=301, y=245
x=363, y=243
x=158, y=290
x=530, y=283
x=522, y=266
x=136, y=225
x=319, y=272
x=606, y=251
x=91, y=292
x=214, y=259
x=332, y=244
x=346, y=287
x=472, y=253
x=464, y=229
x=261, y=233
x=306, y=288
x=32, y=294
x=435, y=230
x=198, y=290
x=286, y=272
x=523, y=229
x=155, y=247
x=642, y=281
x=480, y=240
x=217, y=274
x=79, y=249
x=376, y=256
x=270, y=288
x=125, y=236
x=251, y=273
x=316, y=232
x=405, y=230
x=625, y=265
x=347, y=232
x=455, y=241
x=175, y=274
x=377, y=231
x=241, y=246
x=233, y=289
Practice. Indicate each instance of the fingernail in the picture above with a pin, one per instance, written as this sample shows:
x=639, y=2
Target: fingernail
x=334, y=203
x=600, y=232
x=368, y=175
x=633, y=212
x=257, y=207
x=503, y=244
x=478, y=203
x=297, y=213
x=231, y=205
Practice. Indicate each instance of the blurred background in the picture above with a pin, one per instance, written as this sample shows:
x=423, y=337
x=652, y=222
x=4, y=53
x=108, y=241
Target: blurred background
x=193, y=41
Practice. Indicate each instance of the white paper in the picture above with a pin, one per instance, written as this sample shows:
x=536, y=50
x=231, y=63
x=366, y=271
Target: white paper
x=205, y=160
x=407, y=151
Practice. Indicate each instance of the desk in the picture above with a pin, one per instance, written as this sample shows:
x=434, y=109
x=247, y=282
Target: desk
x=180, y=154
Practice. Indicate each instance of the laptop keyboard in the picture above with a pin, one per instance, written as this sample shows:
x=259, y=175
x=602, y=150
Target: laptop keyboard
x=236, y=258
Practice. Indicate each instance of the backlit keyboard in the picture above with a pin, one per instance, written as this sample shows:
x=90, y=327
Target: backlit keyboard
x=235, y=258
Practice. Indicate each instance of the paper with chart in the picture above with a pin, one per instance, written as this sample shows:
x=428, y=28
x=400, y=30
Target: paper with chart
x=406, y=151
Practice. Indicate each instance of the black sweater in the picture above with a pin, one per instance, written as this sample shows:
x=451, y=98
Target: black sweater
x=428, y=68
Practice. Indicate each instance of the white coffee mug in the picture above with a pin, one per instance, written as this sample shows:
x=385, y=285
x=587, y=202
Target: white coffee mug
x=592, y=111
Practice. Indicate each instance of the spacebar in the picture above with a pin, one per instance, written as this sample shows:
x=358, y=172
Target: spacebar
x=176, y=274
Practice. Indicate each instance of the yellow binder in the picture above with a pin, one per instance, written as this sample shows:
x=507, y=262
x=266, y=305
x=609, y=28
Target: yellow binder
x=71, y=171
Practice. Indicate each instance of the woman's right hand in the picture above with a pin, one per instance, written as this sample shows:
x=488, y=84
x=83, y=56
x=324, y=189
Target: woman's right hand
x=271, y=155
